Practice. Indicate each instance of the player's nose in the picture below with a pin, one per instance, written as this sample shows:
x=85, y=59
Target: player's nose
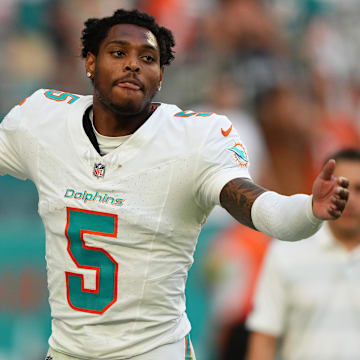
x=131, y=65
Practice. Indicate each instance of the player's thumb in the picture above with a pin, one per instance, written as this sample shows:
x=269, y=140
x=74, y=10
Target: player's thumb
x=328, y=170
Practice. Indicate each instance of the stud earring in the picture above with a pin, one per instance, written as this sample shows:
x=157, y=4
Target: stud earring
x=159, y=87
x=88, y=74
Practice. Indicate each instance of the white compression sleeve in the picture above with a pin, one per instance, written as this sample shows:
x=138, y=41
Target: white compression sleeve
x=288, y=218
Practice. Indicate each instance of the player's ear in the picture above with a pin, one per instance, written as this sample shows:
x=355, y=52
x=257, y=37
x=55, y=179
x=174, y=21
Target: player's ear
x=90, y=63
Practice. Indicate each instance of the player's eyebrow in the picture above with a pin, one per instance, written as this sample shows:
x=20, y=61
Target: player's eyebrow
x=127, y=43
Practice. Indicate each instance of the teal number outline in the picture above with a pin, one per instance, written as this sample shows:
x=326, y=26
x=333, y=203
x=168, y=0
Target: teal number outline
x=62, y=96
x=72, y=231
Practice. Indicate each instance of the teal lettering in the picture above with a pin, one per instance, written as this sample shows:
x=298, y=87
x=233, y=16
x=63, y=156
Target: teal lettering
x=83, y=197
x=119, y=202
x=69, y=195
x=78, y=195
x=112, y=199
x=88, y=197
x=97, y=196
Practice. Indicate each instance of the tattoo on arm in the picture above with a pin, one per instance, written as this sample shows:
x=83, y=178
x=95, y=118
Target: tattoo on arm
x=237, y=197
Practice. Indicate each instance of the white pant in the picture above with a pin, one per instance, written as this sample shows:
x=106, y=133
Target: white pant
x=181, y=350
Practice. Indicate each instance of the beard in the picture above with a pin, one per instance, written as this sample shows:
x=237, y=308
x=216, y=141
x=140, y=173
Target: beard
x=127, y=107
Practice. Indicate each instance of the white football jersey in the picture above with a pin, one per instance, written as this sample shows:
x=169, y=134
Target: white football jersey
x=121, y=229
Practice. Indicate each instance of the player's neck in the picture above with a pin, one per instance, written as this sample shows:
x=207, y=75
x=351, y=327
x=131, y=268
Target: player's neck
x=109, y=123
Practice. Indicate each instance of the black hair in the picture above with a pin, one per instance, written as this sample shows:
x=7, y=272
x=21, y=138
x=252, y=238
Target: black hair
x=96, y=30
x=352, y=154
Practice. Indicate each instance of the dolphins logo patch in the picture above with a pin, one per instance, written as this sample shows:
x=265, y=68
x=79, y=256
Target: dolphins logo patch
x=239, y=152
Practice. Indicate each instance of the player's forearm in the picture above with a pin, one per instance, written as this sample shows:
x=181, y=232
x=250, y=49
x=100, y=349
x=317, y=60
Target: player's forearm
x=287, y=218
x=261, y=347
x=238, y=196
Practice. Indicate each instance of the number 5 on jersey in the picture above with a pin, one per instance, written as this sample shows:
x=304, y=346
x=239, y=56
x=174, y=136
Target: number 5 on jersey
x=79, y=223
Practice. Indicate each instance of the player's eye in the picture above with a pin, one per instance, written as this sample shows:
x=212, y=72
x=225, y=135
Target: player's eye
x=148, y=58
x=118, y=53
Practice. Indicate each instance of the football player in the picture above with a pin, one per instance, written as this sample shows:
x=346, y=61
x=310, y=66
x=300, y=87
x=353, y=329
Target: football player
x=125, y=186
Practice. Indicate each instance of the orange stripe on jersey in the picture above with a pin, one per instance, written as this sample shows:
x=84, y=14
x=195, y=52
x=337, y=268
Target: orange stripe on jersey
x=185, y=347
x=22, y=102
x=188, y=355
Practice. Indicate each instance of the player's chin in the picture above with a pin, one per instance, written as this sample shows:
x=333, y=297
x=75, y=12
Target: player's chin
x=127, y=107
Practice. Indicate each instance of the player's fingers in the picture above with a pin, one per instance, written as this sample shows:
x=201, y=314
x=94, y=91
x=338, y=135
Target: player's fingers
x=335, y=214
x=342, y=181
x=328, y=170
x=339, y=203
x=342, y=193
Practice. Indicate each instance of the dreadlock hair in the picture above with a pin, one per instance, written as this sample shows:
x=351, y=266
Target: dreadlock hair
x=96, y=30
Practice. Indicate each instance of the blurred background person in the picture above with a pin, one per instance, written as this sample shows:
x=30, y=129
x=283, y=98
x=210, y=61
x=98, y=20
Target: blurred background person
x=286, y=119
x=307, y=303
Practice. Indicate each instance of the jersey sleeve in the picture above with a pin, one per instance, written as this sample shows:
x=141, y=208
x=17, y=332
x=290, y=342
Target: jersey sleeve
x=270, y=301
x=222, y=157
x=14, y=143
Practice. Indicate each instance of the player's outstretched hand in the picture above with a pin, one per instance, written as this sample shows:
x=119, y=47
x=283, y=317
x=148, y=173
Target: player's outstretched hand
x=330, y=193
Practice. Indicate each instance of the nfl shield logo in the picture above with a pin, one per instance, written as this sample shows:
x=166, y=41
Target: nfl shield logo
x=99, y=170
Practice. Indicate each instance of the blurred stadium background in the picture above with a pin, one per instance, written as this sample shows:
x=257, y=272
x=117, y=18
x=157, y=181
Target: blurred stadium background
x=286, y=73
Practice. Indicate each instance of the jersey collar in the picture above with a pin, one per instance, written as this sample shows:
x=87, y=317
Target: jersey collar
x=85, y=147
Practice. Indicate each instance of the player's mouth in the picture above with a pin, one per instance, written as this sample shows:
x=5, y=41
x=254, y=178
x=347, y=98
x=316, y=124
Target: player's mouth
x=127, y=85
x=130, y=84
